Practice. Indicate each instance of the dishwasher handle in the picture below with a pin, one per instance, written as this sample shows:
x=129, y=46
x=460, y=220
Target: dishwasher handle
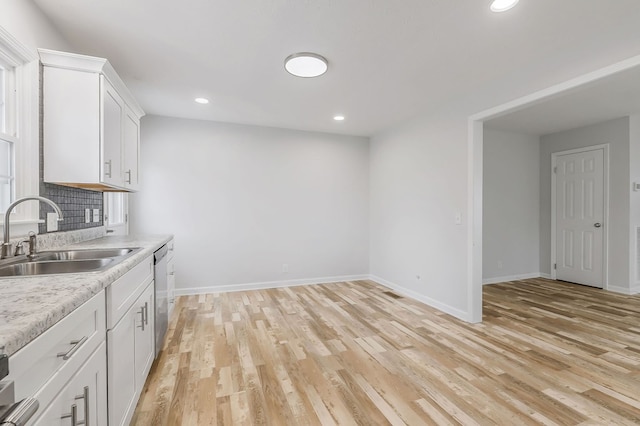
x=20, y=413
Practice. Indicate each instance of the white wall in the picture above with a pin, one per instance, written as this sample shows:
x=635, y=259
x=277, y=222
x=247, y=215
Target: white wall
x=244, y=200
x=511, y=200
x=418, y=184
x=24, y=20
x=634, y=225
x=616, y=134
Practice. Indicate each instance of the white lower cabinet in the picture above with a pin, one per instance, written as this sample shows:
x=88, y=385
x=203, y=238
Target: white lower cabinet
x=83, y=400
x=144, y=341
x=130, y=340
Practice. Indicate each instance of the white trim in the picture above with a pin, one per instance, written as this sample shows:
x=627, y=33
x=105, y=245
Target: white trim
x=624, y=290
x=543, y=275
x=474, y=230
x=18, y=53
x=266, y=285
x=464, y=316
x=474, y=236
x=27, y=84
x=605, y=228
x=506, y=278
x=556, y=90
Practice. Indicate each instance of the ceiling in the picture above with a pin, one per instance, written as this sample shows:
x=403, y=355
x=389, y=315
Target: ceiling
x=614, y=96
x=388, y=60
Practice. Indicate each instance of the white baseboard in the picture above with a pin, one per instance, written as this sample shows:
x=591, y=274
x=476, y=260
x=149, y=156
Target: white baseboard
x=624, y=290
x=266, y=285
x=514, y=278
x=463, y=315
x=547, y=276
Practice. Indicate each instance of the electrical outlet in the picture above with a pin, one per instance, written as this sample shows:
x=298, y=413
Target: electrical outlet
x=458, y=218
x=52, y=222
x=87, y=215
x=285, y=268
x=96, y=215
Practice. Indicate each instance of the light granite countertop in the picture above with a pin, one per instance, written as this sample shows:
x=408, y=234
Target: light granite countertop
x=31, y=305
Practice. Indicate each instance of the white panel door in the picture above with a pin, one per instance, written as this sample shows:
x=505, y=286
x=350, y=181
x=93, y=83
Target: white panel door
x=579, y=217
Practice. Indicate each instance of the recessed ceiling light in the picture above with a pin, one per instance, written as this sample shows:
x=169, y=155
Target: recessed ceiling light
x=502, y=5
x=202, y=101
x=306, y=64
x=339, y=118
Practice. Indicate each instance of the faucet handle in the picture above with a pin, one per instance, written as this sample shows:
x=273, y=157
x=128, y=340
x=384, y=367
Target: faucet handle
x=33, y=244
x=20, y=248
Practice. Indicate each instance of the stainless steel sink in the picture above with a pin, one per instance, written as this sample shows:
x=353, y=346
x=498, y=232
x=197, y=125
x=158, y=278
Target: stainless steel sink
x=54, y=267
x=83, y=254
x=64, y=262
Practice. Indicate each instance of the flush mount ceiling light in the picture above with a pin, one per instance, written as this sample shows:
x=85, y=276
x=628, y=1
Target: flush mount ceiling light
x=502, y=5
x=305, y=64
x=339, y=118
x=202, y=101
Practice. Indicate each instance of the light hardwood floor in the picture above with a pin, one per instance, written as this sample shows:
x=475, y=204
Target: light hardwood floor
x=353, y=353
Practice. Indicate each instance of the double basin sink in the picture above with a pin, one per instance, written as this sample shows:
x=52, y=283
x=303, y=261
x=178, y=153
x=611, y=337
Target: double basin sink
x=64, y=262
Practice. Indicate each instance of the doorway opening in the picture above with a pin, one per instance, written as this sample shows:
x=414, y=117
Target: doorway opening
x=577, y=103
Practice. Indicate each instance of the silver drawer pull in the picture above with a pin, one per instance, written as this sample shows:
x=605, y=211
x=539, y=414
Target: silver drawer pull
x=128, y=173
x=85, y=397
x=146, y=313
x=21, y=412
x=107, y=174
x=73, y=415
x=76, y=345
x=141, y=312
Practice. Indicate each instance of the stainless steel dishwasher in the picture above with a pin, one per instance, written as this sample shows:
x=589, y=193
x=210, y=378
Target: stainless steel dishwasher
x=162, y=305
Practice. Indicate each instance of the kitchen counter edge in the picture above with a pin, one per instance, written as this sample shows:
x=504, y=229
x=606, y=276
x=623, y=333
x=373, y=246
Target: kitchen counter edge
x=31, y=305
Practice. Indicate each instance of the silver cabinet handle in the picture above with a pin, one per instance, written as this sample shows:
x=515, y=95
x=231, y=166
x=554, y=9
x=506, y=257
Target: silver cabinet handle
x=76, y=345
x=107, y=174
x=73, y=415
x=141, y=312
x=146, y=313
x=597, y=225
x=21, y=412
x=85, y=397
x=128, y=173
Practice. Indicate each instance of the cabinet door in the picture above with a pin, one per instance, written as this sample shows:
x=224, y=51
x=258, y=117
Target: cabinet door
x=85, y=395
x=120, y=360
x=131, y=148
x=144, y=336
x=111, y=143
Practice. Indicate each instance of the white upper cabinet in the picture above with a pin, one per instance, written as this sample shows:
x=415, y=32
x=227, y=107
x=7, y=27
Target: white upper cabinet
x=91, y=124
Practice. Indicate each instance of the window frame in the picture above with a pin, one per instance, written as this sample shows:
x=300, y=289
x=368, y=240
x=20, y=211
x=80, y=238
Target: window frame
x=26, y=66
x=120, y=228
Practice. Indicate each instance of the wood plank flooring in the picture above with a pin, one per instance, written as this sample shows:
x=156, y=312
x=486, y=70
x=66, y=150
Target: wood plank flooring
x=353, y=353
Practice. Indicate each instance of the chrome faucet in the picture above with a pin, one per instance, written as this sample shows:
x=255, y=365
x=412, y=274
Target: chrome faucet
x=6, y=245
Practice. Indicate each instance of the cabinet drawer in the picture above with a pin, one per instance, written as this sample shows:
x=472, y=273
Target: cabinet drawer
x=86, y=390
x=61, y=349
x=126, y=289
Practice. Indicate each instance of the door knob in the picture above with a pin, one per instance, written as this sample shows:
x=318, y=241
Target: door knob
x=597, y=225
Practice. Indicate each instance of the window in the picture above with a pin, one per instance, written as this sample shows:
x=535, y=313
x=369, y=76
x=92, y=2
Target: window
x=19, y=121
x=116, y=208
x=8, y=134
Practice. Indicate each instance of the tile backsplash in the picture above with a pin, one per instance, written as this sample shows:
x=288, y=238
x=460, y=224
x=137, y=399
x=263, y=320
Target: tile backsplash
x=73, y=202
